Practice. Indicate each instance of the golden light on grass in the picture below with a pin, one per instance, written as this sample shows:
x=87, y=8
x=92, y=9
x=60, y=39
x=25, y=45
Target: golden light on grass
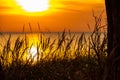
x=33, y=5
x=33, y=46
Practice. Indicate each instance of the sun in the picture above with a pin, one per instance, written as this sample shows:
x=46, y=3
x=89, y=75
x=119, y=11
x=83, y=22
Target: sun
x=33, y=5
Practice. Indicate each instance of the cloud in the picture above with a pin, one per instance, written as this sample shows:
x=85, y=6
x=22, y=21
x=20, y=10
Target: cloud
x=5, y=8
x=78, y=6
x=68, y=9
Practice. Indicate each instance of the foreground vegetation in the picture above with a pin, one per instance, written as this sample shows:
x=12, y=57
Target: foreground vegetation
x=66, y=58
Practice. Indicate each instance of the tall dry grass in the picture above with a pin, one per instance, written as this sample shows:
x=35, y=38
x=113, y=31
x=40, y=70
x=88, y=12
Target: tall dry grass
x=66, y=58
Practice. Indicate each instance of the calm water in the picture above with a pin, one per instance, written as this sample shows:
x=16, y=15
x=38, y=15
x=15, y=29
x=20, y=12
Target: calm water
x=34, y=38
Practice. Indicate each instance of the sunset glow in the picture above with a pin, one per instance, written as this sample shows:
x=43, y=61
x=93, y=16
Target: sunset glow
x=52, y=15
x=34, y=5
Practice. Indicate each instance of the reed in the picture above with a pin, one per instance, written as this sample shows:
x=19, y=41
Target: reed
x=57, y=60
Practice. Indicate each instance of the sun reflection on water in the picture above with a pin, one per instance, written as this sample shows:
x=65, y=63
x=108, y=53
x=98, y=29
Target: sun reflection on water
x=34, y=52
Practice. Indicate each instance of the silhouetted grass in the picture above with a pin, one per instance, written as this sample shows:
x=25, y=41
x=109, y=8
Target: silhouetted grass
x=66, y=58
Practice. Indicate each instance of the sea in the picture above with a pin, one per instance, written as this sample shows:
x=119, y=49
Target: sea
x=33, y=38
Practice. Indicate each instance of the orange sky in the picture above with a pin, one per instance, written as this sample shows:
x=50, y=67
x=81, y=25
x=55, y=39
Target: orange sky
x=62, y=14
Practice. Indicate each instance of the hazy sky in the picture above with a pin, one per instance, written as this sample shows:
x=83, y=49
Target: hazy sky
x=62, y=14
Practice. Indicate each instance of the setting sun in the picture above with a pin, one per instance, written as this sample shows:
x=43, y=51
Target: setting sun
x=34, y=5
